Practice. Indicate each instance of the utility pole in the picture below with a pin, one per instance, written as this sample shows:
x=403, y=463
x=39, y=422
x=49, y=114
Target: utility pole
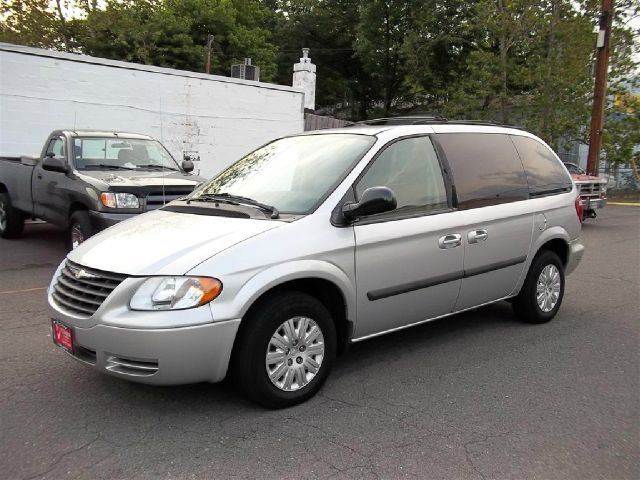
x=209, y=46
x=600, y=89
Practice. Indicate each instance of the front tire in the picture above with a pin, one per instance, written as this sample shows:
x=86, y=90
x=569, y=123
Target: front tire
x=11, y=220
x=80, y=228
x=543, y=289
x=285, y=350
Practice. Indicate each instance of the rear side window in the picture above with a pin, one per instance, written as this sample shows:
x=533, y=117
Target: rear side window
x=486, y=169
x=544, y=172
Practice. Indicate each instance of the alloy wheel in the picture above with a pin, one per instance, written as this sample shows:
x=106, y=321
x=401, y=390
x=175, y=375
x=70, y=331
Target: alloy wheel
x=77, y=237
x=3, y=216
x=548, y=288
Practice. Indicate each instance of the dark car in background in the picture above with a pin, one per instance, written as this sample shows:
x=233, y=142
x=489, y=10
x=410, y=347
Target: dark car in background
x=86, y=181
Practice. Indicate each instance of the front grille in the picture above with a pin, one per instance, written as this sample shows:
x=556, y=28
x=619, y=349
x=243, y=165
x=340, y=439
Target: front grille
x=158, y=198
x=81, y=290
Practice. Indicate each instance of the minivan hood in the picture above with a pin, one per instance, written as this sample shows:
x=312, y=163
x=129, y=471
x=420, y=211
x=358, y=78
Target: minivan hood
x=165, y=243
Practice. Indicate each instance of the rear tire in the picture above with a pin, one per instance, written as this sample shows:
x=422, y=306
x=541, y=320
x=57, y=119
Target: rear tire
x=541, y=295
x=285, y=350
x=11, y=220
x=80, y=228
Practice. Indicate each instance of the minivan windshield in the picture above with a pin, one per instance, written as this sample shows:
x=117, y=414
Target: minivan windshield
x=121, y=154
x=292, y=174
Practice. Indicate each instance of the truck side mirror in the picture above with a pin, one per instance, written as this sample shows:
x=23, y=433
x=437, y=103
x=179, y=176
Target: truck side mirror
x=187, y=166
x=53, y=164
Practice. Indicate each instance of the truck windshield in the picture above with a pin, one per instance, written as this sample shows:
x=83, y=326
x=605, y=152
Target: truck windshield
x=121, y=154
x=291, y=174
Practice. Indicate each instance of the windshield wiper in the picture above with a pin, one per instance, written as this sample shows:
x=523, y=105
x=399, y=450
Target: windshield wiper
x=108, y=167
x=235, y=200
x=158, y=167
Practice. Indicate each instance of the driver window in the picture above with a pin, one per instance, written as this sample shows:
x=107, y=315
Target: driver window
x=411, y=169
x=56, y=146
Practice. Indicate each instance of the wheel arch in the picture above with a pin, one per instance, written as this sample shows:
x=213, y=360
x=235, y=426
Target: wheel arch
x=555, y=239
x=324, y=281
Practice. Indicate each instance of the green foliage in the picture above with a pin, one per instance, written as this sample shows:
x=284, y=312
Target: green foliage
x=167, y=33
x=527, y=62
x=38, y=23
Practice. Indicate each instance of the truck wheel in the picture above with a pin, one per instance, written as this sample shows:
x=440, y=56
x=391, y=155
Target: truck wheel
x=79, y=228
x=543, y=289
x=285, y=350
x=11, y=221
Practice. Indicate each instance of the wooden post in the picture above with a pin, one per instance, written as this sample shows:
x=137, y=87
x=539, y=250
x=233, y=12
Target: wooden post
x=600, y=88
x=209, y=46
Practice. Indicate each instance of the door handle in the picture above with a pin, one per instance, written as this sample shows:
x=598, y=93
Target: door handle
x=476, y=236
x=39, y=175
x=451, y=240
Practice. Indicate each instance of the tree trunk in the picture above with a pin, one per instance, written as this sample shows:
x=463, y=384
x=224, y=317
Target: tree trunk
x=63, y=25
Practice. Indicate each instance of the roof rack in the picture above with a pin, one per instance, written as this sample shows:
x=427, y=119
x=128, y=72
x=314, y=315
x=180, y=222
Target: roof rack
x=403, y=120
x=427, y=120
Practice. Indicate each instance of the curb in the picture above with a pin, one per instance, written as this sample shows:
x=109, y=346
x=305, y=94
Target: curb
x=626, y=204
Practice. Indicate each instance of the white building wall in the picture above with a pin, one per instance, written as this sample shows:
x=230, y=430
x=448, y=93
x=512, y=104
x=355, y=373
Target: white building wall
x=220, y=118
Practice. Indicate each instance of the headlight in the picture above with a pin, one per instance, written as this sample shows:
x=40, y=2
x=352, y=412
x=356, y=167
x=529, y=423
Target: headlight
x=175, y=293
x=119, y=200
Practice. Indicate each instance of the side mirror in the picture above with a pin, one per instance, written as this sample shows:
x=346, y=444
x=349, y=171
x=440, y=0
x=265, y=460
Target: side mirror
x=374, y=200
x=187, y=166
x=53, y=164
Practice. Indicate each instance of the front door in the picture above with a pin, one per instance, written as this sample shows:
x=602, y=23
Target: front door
x=409, y=262
x=48, y=195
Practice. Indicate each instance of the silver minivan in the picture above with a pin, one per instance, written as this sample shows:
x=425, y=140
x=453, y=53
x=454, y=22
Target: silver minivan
x=311, y=242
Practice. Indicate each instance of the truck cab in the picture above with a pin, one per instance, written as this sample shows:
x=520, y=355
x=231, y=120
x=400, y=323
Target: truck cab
x=86, y=181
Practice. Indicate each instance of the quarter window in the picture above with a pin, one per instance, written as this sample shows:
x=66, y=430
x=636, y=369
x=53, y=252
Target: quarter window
x=486, y=169
x=544, y=171
x=411, y=169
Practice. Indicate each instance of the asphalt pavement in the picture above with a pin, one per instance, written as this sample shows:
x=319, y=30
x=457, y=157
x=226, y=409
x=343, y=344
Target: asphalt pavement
x=475, y=396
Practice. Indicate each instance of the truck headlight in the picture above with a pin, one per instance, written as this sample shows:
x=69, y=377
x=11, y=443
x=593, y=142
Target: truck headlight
x=175, y=293
x=119, y=200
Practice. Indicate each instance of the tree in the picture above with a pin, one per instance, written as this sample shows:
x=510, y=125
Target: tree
x=436, y=51
x=327, y=28
x=381, y=34
x=621, y=140
x=37, y=23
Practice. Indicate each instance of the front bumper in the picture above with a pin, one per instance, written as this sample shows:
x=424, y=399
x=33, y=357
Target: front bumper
x=102, y=220
x=589, y=203
x=165, y=347
x=159, y=356
x=576, y=251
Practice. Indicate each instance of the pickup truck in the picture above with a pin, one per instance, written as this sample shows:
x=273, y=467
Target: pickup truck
x=592, y=190
x=86, y=181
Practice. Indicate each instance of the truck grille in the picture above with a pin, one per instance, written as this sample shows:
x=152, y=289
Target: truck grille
x=158, y=198
x=590, y=189
x=81, y=290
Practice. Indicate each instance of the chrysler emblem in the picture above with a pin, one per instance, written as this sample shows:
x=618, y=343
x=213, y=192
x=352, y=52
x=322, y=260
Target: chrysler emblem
x=80, y=273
